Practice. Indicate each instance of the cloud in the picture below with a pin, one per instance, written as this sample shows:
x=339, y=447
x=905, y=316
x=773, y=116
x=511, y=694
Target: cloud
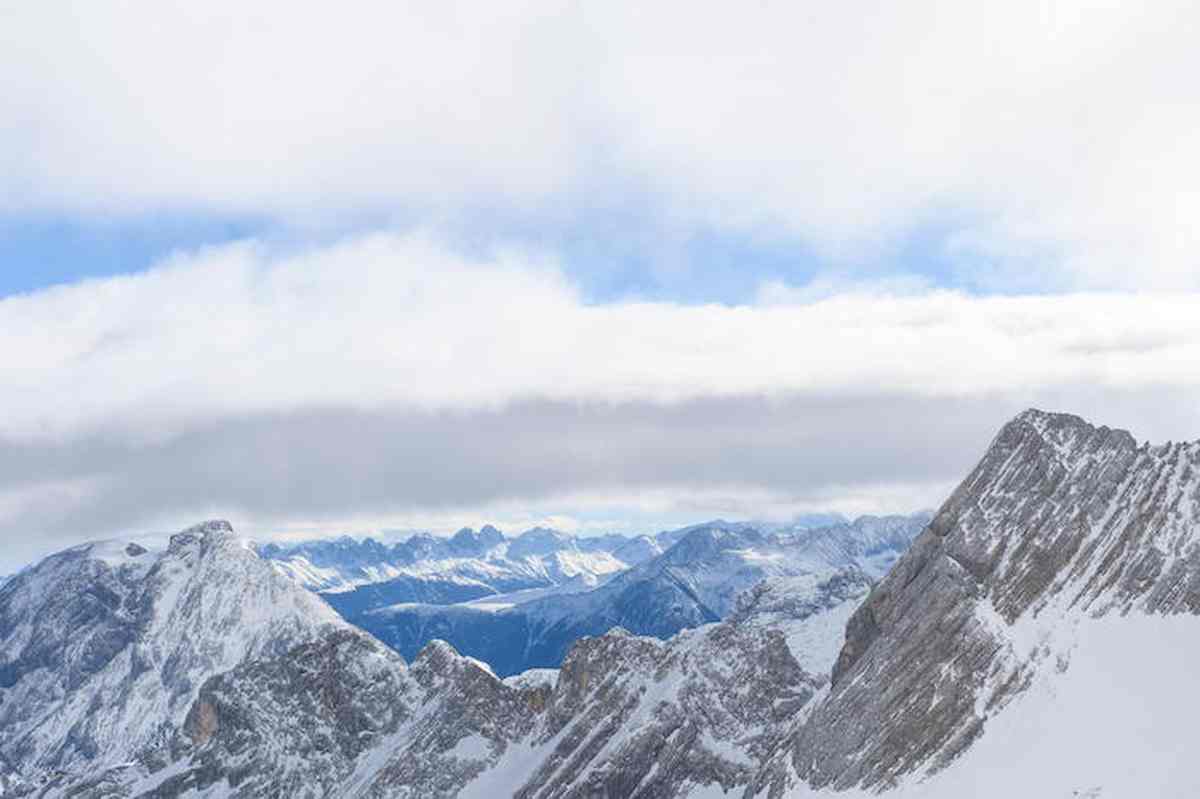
x=382, y=380
x=383, y=321
x=1052, y=144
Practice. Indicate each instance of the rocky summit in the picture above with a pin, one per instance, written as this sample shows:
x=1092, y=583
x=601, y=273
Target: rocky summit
x=1035, y=639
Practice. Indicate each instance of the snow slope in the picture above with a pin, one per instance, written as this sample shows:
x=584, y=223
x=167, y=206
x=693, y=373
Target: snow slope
x=1093, y=725
x=103, y=646
x=1035, y=640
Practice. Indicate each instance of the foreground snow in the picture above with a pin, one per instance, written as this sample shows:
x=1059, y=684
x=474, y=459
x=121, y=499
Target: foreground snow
x=1110, y=715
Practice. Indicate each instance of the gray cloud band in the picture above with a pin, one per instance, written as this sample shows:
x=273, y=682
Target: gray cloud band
x=334, y=463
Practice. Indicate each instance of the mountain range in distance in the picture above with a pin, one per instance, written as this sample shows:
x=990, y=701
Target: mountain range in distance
x=518, y=604
x=1035, y=639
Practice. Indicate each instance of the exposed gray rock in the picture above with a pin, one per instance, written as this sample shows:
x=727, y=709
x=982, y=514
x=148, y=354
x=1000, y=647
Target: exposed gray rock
x=343, y=716
x=104, y=646
x=1057, y=512
x=1058, y=516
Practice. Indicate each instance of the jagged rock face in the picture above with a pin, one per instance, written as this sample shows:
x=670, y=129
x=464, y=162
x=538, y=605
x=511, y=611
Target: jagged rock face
x=339, y=716
x=695, y=582
x=1060, y=520
x=343, y=716
x=1059, y=514
x=635, y=717
x=292, y=725
x=103, y=647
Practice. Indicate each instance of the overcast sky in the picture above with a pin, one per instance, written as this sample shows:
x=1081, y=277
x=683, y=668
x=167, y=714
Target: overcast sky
x=366, y=266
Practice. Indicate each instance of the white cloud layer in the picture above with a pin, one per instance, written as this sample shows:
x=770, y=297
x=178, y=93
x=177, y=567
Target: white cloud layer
x=1052, y=143
x=385, y=380
x=386, y=322
x=388, y=379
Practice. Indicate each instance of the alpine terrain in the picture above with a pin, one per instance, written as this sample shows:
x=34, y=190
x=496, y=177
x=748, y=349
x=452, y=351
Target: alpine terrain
x=356, y=576
x=1035, y=640
x=696, y=581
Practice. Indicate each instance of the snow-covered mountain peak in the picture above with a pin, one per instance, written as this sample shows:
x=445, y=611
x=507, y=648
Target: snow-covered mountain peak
x=1035, y=640
x=210, y=526
x=710, y=540
x=638, y=550
x=468, y=543
x=1060, y=434
x=207, y=536
x=1059, y=506
x=211, y=530
x=127, y=557
x=491, y=536
x=103, y=646
x=540, y=541
x=1061, y=523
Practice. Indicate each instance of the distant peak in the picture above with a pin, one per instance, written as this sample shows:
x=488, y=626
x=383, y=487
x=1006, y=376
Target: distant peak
x=490, y=536
x=542, y=532
x=203, y=533
x=210, y=526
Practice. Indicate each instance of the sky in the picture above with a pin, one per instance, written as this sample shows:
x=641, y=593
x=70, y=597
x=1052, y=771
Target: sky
x=373, y=266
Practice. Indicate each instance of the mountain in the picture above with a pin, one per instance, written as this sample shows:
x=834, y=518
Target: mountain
x=1043, y=619
x=329, y=711
x=104, y=646
x=696, y=581
x=810, y=610
x=343, y=716
x=1037, y=639
x=356, y=576
x=638, y=549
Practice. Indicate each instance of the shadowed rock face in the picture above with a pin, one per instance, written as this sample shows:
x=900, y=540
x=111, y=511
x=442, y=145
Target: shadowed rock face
x=667, y=716
x=344, y=716
x=324, y=704
x=1058, y=512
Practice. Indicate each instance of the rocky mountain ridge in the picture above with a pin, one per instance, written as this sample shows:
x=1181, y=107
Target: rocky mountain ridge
x=1067, y=546
x=1059, y=526
x=358, y=575
x=696, y=581
x=103, y=646
x=337, y=713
